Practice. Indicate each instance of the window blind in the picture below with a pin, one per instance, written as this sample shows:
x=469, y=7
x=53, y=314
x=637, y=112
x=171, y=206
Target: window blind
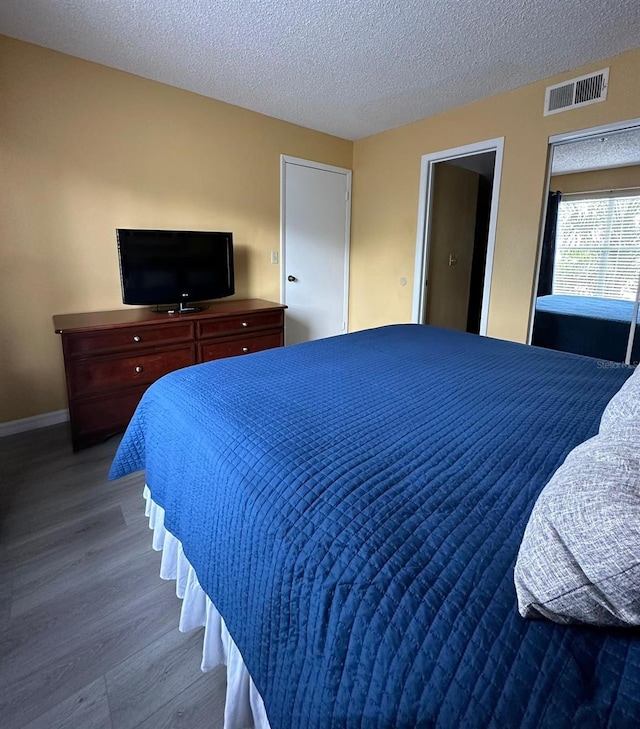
x=598, y=246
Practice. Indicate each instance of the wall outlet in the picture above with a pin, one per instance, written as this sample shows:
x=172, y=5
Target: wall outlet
x=275, y=256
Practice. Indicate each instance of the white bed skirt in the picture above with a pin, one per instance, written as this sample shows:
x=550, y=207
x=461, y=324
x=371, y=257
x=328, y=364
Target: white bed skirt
x=244, y=708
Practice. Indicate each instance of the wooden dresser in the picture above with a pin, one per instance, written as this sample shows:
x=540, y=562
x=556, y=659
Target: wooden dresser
x=111, y=357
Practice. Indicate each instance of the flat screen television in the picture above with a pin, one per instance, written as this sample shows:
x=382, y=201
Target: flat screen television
x=175, y=267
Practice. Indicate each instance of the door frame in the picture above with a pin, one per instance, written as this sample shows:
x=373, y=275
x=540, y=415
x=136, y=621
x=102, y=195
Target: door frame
x=557, y=140
x=425, y=209
x=284, y=161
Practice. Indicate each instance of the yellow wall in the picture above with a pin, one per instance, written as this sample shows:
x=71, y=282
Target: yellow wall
x=386, y=181
x=616, y=178
x=85, y=149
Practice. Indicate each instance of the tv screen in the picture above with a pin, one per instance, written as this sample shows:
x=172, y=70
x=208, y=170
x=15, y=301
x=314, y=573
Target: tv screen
x=174, y=266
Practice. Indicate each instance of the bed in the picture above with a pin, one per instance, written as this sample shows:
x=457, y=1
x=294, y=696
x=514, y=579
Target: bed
x=585, y=325
x=352, y=510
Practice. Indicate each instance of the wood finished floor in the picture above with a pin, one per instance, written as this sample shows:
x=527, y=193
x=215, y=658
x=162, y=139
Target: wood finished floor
x=88, y=631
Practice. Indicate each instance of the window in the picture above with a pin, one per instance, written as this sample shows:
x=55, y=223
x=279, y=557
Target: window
x=598, y=246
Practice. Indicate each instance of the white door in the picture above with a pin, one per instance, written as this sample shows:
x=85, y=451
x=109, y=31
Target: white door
x=316, y=208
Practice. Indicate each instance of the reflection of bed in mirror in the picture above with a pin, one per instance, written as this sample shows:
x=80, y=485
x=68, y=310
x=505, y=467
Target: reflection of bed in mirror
x=589, y=269
x=586, y=325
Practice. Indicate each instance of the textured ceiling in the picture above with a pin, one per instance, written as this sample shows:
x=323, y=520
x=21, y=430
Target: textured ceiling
x=347, y=67
x=609, y=150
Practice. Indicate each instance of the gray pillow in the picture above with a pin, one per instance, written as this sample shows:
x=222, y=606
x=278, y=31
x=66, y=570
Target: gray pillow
x=579, y=560
x=622, y=414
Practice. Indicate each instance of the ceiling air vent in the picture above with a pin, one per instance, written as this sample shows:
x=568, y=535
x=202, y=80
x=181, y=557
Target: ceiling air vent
x=581, y=91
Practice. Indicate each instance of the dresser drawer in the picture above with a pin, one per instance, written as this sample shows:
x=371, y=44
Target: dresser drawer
x=100, y=374
x=104, y=415
x=127, y=339
x=244, y=323
x=234, y=347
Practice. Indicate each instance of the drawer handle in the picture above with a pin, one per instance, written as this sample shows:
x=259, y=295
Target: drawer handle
x=137, y=338
x=138, y=369
x=245, y=349
x=245, y=323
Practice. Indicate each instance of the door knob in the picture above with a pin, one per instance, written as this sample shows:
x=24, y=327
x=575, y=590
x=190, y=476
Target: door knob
x=291, y=278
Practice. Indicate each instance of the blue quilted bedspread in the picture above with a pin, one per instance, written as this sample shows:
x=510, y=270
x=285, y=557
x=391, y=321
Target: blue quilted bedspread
x=354, y=506
x=585, y=325
x=611, y=310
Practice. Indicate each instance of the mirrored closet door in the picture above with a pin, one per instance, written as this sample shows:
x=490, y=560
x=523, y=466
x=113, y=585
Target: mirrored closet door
x=589, y=277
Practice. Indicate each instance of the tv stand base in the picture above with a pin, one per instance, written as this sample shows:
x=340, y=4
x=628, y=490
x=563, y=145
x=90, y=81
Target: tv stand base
x=186, y=309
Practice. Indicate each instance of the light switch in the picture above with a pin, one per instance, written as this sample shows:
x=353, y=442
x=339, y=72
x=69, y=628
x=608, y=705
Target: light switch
x=452, y=259
x=275, y=256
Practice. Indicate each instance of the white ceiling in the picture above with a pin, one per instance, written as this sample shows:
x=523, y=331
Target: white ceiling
x=597, y=153
x=347, y=67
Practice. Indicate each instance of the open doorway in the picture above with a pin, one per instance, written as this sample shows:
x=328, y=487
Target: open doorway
x=456, y=236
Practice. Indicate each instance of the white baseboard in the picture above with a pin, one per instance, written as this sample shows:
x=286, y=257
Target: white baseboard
x=34, y=422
